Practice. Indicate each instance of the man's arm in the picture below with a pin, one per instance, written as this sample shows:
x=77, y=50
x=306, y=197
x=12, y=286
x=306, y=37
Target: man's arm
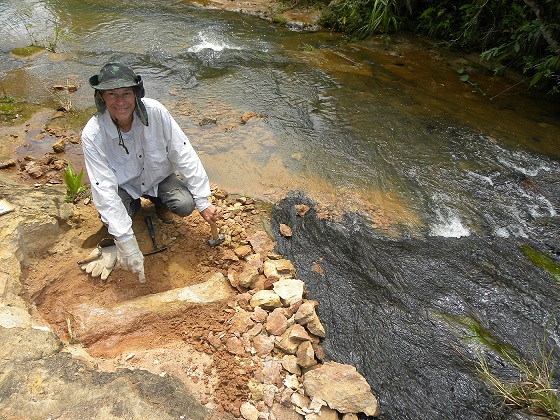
x=104, y=189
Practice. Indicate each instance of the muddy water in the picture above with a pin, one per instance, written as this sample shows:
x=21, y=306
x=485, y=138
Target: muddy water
x=441, y=181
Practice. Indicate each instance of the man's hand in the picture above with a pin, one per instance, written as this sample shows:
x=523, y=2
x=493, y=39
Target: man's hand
x=211, y=214
x=103, y=265
x=130, y=257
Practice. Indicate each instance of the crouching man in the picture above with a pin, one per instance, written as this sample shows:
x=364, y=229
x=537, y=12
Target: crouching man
x=134, y=148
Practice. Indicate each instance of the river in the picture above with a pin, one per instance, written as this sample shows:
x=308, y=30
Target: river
x=431, y=197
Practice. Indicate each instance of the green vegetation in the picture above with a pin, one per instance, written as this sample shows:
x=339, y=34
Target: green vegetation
x=542, y=261
x=12, y=111
x=532, y=390
x=27, y=51
x=73, y=184
x=522, y=384
x=520, y=34
x=471, y=332
x=363, y=18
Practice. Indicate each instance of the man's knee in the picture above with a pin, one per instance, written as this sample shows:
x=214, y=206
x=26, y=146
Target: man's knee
x=180, y=202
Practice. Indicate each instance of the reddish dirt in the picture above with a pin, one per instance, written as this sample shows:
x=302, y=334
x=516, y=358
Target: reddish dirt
x=179, y=345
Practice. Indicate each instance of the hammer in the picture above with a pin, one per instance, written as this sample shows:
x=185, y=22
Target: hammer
x=217, y=239
x=148, y=221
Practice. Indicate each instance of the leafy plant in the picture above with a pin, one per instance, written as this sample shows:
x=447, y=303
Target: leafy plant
x=73, y=183
x=363, y=18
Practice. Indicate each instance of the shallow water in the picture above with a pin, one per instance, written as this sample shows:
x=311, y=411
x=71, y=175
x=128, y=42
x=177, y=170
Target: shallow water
x=441, y=182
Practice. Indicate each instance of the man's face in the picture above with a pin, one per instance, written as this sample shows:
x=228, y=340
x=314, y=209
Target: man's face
x=120, y=103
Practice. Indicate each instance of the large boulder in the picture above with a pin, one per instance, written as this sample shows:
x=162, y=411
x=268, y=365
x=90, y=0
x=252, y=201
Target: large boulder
x=342, y=388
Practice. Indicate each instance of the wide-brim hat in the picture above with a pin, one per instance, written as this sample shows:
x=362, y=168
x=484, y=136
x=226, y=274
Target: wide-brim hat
x=115, y=76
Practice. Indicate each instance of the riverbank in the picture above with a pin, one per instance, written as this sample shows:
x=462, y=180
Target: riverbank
x=297, y=18
x=215, y=333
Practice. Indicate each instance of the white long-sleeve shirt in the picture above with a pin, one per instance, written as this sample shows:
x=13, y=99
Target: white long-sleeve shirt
x=155, y=152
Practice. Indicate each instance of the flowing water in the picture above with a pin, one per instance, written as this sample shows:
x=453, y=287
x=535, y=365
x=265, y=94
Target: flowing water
x=444, y=194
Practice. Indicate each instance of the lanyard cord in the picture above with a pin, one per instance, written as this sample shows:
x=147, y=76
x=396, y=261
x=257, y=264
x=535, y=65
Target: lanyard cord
x=121, y=140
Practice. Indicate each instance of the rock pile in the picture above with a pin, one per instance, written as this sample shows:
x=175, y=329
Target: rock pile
x=275, y=324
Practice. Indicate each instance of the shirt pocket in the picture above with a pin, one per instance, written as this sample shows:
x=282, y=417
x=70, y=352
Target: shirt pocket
x=155, y=155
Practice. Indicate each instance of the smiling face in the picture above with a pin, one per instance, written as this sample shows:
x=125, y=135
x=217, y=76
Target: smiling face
x=120, y=103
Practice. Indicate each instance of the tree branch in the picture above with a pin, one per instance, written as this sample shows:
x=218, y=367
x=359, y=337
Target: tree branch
x=546, y=33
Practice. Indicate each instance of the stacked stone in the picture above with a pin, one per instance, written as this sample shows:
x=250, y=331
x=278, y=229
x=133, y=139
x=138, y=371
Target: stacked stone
x=278, y=326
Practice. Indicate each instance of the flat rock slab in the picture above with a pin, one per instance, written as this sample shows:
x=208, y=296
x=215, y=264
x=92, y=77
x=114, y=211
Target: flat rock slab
x=92, y=323
x=37, y=377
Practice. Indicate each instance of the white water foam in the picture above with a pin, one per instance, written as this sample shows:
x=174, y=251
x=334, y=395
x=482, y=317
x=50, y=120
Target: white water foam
x=448, y=223
x=207, y=42
x=450, y=228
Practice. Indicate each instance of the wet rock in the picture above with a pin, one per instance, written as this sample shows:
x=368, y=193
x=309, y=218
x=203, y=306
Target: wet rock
x=10, y=163
x=285, y=230
x=342, y=388
x=59, y=146
x=35, y=170
x=302, y=209
x=289, y=290
x=266, y=299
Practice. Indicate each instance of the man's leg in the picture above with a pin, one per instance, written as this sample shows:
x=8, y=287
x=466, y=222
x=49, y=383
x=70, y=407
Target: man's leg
x=174, y=196
x=132, y=206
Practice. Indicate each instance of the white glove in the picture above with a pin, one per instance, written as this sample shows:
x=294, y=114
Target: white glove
x=104, y=264
x=130, y=257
